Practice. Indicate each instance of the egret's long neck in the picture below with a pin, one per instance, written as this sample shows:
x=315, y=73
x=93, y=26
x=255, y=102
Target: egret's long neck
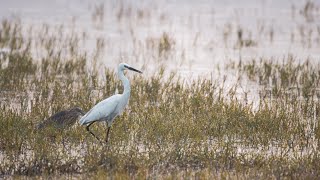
x=125, y=82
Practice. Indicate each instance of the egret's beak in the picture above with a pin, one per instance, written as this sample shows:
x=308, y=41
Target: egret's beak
x=133, y=69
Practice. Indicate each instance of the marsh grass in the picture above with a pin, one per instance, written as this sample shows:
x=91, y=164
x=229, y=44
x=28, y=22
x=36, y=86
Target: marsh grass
x=170, y=130
x=286, y=76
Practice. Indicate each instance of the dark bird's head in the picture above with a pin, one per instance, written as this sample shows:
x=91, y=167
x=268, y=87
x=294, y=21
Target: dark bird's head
x=77, y=111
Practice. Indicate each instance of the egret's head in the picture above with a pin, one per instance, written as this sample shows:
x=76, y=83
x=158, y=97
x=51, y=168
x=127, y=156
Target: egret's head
x=124, y=66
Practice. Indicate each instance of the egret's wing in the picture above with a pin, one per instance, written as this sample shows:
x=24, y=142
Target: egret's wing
x=101, y=110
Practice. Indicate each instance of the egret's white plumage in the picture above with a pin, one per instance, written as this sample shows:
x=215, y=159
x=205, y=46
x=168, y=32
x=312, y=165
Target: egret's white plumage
x=105, y=110
x=108, y=109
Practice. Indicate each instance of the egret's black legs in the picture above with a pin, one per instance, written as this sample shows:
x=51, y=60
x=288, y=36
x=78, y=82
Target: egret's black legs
x=87, y=128
x=107, y=137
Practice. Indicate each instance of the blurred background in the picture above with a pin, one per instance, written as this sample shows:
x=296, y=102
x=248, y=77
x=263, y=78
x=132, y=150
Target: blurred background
x=194, y=37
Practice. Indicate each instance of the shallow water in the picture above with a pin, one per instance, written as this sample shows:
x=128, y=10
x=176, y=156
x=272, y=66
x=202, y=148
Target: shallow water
x=204, y=35
x=204, y=32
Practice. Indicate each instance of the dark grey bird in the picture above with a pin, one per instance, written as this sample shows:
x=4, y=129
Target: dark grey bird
x=62, y=119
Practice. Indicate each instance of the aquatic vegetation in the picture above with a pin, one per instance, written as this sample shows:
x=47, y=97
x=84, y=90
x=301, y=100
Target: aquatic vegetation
x=171, y=129
x=291, y=76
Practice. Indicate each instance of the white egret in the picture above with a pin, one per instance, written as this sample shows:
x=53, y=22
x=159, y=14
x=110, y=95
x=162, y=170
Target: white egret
x=108, y=109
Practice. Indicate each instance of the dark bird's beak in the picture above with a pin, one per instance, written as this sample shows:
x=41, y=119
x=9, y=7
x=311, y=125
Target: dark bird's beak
x=133, y=69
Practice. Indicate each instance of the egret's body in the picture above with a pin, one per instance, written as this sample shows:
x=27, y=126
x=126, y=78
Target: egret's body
x=108, y=109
